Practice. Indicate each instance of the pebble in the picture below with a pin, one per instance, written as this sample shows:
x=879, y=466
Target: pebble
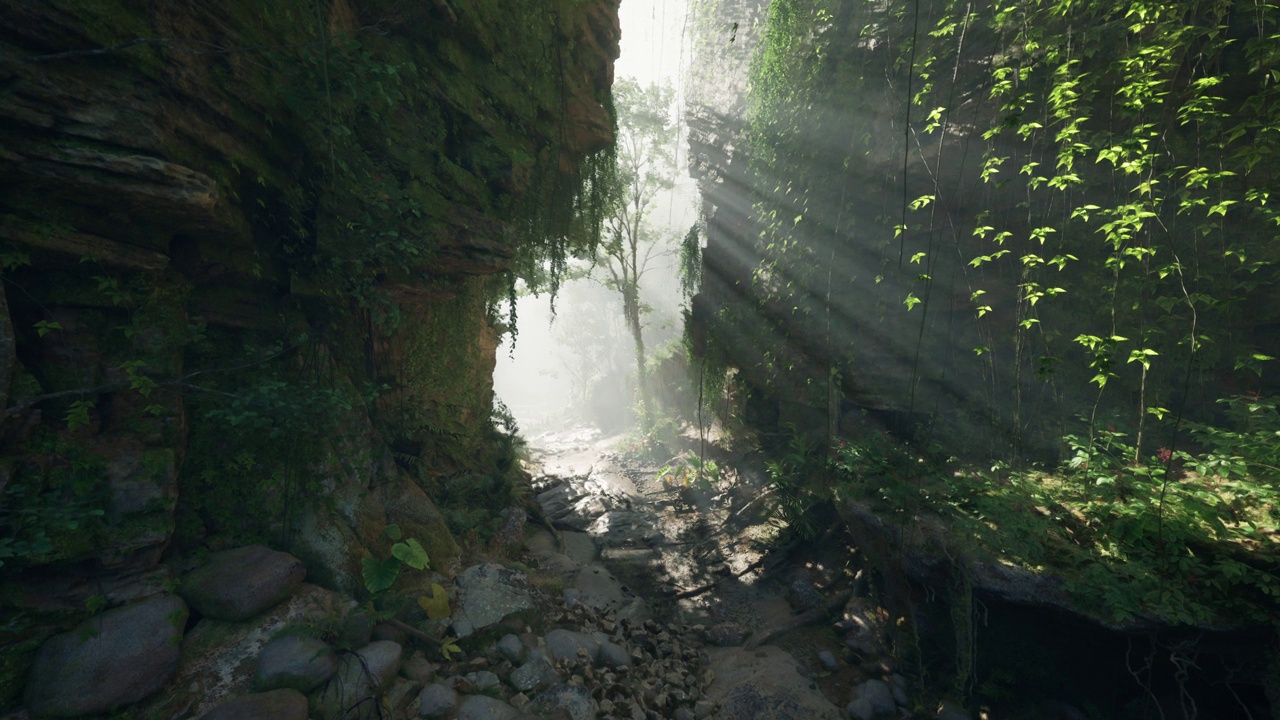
x=828, y=660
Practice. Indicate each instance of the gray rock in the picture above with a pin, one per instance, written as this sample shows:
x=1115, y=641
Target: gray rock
x=898, y=684
x=221, y=656
x=294, y=661
x=417, y=667
x=238, y=584
x=279, y=704
x=379, y=661
x=574, y=699
x=481, y=707
x=117, y=658
x=482, y=680
x=804, y=596
x=402, y=692
x=614, y=656
x=599, y=590
x=363, y=674
x=571, y=645
x=877, y=696
x=488, y=593
x=636, y=611
x=387, y=631
x=533, y=675
x=828, y=660
x=725, y=635
x=861, y=709
x=437, y=701
x=511, y=648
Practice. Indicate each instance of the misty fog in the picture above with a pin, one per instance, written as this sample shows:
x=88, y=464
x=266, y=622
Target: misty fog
x=575, y=367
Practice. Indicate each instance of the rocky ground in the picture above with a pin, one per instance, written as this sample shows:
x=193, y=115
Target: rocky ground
x=631, y=599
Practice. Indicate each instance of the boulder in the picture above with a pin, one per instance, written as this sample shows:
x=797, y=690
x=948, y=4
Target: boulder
x=295, y=661
x=481, y=707
x=871, y=699
x=220, y=657
x=487, y=594
x=366, y=673
x=280, y=704
x=570, y=645
x=240, y=583
x=119, y=657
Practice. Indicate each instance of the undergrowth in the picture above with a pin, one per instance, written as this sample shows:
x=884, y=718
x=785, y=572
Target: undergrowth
x=1180, y=536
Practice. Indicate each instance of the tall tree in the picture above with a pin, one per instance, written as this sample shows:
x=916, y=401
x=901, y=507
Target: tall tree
x=646, y=166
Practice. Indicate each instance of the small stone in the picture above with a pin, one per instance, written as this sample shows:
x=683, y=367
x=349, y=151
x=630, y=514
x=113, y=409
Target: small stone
x=861, y=709
x=613, y=655
x=519, y=701
x=482, y=680
x=295, y=661
x=684, y=713
x=872, y=697
x=417, y=667
x=703, y=709
x=828, y=660
x=511, y=648
x=725, y=635
x=533, y=675
x=437, y=701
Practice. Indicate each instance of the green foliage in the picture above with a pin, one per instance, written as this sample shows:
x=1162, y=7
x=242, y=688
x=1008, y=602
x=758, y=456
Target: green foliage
x=799, y=482
x=1114, y=239
x=53, y=504
x=266, y=434
x=379, y=574
x=689, y=471
x=1178, y=537
x=436, y=606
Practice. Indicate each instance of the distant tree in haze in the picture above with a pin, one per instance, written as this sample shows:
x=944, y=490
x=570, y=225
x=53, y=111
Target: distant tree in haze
x=646, y=167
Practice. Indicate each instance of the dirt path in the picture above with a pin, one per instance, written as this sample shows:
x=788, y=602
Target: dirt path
x=703, y=558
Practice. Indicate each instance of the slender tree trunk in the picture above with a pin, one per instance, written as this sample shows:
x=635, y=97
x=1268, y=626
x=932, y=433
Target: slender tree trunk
x=632, y=311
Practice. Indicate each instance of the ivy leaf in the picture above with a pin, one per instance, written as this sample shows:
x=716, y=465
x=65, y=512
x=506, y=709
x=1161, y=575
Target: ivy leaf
x=78, y=414
x=393, y=531
x=379, y=574
x=411, y=553
x=436, y=605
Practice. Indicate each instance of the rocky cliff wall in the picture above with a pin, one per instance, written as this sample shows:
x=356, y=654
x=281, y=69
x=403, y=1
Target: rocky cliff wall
x=252, y=257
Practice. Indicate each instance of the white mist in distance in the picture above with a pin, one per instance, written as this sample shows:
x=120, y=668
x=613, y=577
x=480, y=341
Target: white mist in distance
x=578, y=367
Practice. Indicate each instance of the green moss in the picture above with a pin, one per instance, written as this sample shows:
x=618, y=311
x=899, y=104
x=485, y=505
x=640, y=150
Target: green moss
x=15, y=660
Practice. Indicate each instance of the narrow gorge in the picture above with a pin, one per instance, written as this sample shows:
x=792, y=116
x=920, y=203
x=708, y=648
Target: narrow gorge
x=853, y=360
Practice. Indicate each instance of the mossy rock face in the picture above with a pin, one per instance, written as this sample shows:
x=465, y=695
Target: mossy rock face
x=15, y=662
x=409, y=506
